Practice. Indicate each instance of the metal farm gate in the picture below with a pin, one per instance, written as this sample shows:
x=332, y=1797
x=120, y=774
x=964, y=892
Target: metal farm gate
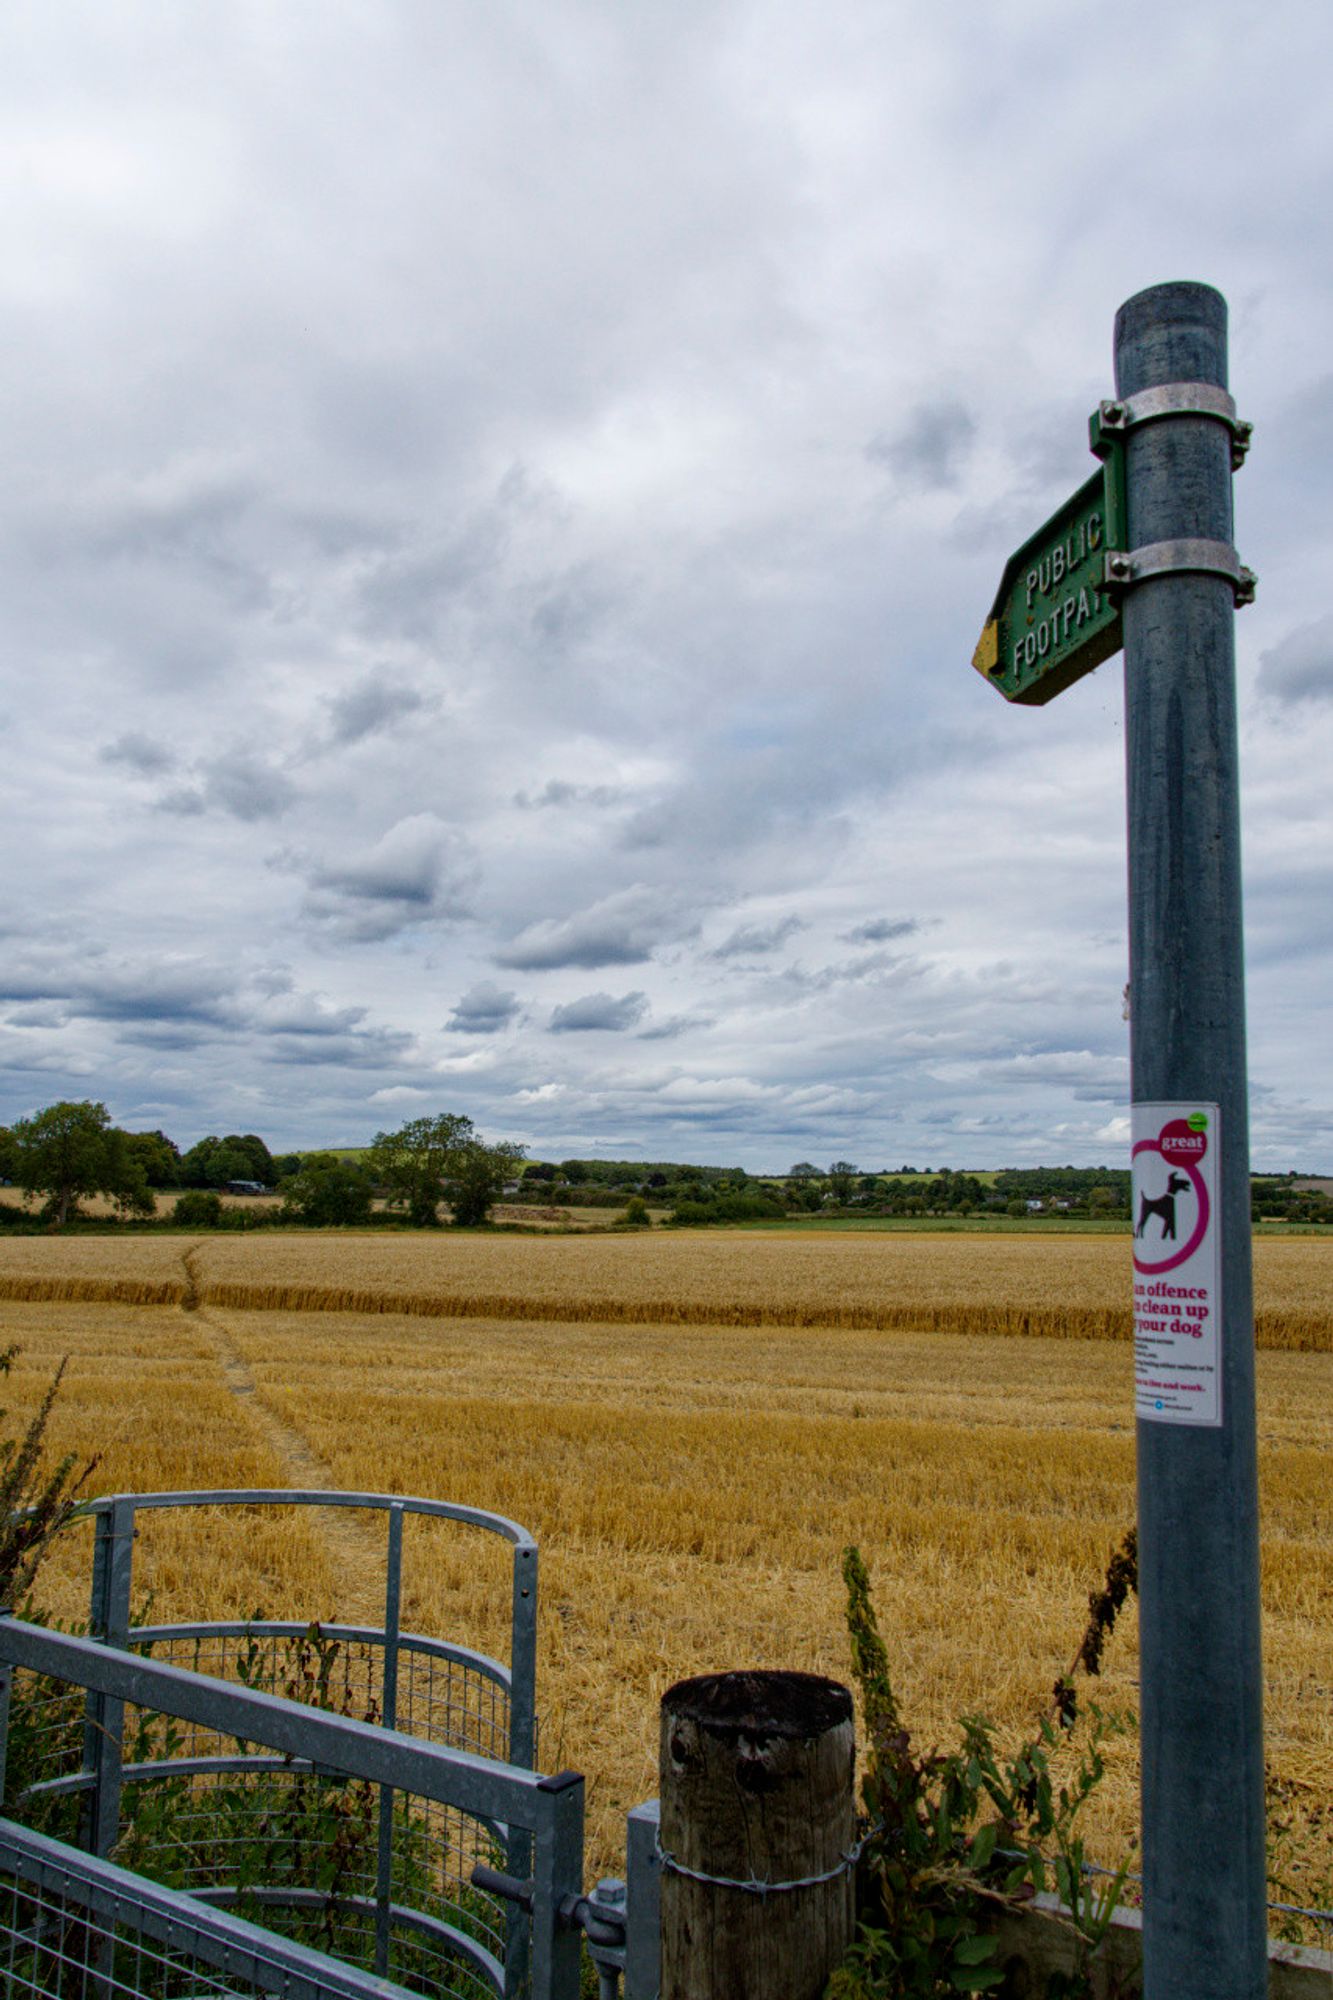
x=266, y=1806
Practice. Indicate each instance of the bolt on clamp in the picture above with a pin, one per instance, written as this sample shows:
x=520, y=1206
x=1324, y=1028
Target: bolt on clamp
x=1116, y=416
x=1185, y=556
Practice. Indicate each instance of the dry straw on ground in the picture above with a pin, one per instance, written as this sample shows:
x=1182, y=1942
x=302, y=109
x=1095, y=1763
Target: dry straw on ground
x=1058, y=1287
x=692, y=1485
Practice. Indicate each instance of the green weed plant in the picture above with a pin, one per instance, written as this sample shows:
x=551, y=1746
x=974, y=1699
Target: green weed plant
x=952, y=1836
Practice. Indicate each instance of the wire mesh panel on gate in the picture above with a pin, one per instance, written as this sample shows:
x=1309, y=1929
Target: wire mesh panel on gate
x=75, y=1928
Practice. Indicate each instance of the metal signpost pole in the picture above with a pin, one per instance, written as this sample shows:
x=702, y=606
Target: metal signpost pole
x=1141, y=557
x=1205, y=1915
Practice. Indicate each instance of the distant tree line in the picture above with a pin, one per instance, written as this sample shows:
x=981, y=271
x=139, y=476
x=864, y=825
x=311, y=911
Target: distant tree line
x=71, y=1151
x=437, y=1164
x=1290, y=1198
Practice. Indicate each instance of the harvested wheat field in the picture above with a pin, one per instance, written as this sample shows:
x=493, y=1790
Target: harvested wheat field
x=1061, y=1287
x=692, y=1484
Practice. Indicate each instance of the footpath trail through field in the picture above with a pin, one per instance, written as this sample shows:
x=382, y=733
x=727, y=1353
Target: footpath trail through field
x=355, y=1548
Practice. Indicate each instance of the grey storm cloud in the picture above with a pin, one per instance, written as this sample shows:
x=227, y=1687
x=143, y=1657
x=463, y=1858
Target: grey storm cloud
x=421, y=871
x=931, y=448
x=880, y=930
x=143, y=755
x=483, y=1010
x=674, y=1026
x=411, y=594
x=755, y=940
x=164, y=1036
x=306, y=1016
x=1289, y=911
x=1091, y=1077
x=183, y=802
x=621, y=929
x=599, y=1011
x=560, y=792
x=369, y=1049
x=818, y=759
x=176, y=1004
x=188, y=519
x=1300, y=667
x=109, y=990
x=239, y=783
x=372, y=704
x=879, y=968
x=35, y=1013
x=246, y=786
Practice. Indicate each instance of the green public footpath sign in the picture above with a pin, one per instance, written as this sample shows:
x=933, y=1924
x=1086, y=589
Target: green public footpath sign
x=1053, y=620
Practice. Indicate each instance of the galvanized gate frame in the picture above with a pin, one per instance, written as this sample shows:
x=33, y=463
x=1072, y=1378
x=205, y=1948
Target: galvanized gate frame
x=548, y=1811
x=539, y=1828
x=116, y=1516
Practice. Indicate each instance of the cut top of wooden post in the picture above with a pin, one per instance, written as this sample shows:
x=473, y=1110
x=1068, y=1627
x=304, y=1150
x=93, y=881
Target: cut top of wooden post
x=761, y=1703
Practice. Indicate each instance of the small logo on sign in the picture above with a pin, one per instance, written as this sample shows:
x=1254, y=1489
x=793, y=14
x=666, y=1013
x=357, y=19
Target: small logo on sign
x=1182, y=1139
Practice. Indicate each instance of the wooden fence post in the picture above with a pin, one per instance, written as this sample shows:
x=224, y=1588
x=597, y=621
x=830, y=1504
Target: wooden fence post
x=757, y=1794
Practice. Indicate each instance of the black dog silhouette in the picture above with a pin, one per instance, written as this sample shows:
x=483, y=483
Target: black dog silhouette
x=1163, y=1205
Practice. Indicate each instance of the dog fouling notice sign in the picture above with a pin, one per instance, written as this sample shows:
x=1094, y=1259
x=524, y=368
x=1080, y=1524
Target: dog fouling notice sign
x=1177, y=1264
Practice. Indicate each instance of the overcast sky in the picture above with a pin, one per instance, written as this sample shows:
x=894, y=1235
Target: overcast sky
x=498, y=503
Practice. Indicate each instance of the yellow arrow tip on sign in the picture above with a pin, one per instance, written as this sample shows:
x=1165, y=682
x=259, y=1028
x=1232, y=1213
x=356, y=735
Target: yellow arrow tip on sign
x=987, y=656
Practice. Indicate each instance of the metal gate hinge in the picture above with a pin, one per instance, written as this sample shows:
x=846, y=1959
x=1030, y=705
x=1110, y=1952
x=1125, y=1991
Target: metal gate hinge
x=1115, y=417
x=1187, y=556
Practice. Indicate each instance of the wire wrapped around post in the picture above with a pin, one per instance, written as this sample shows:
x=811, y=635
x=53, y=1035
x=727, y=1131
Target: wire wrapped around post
x=757, y=1843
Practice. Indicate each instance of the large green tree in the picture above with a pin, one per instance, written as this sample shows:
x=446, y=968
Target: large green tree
x=241, y=1156
x=410, y=1164
x=72, y=1149
x=474, y=1177
x=158, y=1156
x=440, y=1158
x=328, y=1192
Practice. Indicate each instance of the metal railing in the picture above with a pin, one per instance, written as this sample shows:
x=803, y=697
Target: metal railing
x=104, y=1777
x=436, y=1688
x=434, y=1944
x=118, y=1523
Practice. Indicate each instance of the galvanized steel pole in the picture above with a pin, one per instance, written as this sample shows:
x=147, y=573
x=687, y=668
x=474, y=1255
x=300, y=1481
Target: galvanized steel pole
x=1205, y=1917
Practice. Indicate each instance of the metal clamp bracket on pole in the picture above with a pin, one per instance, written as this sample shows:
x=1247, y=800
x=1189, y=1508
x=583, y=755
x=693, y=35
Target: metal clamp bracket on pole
x=1172, y=399
x=1187, y=556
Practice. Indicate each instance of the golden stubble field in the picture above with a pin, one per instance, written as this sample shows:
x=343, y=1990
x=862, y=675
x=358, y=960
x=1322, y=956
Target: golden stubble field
x=692, y=1483
x=1064, y=1287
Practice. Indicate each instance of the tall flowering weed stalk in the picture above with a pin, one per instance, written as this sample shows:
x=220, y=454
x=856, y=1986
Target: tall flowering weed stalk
x=951, y=1836
x=37, y=1499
